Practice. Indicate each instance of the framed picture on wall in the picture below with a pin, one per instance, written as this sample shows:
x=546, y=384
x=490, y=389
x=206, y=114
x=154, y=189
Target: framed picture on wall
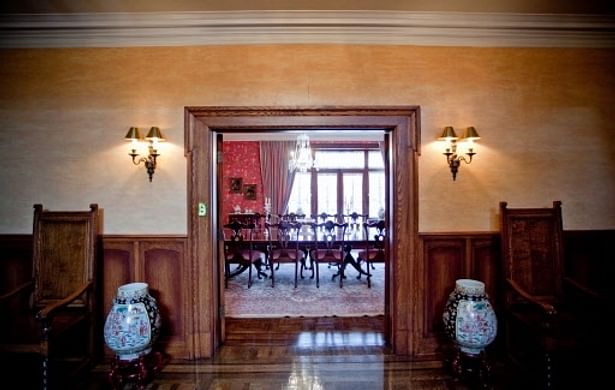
x=249, y=191
x=236, y=185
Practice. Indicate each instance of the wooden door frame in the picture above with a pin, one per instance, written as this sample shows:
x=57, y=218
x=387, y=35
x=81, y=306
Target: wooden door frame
x=403, y=324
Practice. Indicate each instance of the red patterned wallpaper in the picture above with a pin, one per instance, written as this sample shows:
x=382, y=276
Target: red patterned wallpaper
x=241, y=160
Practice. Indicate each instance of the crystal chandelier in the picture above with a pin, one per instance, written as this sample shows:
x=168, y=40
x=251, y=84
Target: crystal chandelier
x=301, y=158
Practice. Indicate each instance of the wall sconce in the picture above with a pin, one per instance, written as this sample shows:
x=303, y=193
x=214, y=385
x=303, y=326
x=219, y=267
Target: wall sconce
x=452, y=158
x=153, y=137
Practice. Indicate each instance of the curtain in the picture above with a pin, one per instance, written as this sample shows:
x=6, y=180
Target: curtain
x=277, y=179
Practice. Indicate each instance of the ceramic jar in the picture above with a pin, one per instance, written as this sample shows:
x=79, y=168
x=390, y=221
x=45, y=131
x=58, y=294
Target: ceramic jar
x=469, y=318
x=133, y=324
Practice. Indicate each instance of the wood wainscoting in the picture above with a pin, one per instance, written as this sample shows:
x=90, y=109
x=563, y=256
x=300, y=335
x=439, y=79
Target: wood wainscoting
x=444, y=258
x=162, y=261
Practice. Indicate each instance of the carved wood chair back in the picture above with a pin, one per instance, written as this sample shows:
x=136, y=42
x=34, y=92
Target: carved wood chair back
x=374, y=246
x=283, y=246
x=239, y=249
x=329, y=246
x=550, y=320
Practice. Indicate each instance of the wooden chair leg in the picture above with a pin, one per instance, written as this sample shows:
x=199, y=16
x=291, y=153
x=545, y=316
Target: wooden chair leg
x=227, y=272
x=250, y=275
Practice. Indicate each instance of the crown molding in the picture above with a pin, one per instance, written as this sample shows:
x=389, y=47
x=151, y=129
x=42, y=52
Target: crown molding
x=305, y=27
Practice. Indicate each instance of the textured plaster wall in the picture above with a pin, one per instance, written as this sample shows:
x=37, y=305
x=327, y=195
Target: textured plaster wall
x=546, y=119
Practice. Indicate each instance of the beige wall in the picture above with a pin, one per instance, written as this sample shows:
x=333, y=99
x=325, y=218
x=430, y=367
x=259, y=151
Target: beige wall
x=546, y=119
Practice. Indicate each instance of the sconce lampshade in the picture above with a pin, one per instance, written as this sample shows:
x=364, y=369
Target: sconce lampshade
x=155, y=134
x=133, y=134
x=448, y=134
x=471, y=134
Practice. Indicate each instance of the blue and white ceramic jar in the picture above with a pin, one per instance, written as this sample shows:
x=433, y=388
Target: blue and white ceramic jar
x=133, y=324
x=469, y=318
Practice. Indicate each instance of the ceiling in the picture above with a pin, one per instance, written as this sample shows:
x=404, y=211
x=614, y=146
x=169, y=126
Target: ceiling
x=516, y=6
x=479, y=23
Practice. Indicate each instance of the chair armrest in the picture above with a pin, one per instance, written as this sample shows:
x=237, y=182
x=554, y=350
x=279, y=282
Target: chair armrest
x=51, y=309
x=16, y=290
x=545, y=307
x=584, y=290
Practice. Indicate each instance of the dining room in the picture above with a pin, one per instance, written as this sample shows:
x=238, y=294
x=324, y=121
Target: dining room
x=328, y=175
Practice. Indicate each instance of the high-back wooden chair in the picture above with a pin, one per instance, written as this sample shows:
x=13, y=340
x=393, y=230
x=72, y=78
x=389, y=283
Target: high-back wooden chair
x=552, y=323
x=239, y=249
x=283, y=246
x=329, y=247
x=354, y=219
x=291, y=217
x=53, y=316
x=324, y=217
x=373, y=251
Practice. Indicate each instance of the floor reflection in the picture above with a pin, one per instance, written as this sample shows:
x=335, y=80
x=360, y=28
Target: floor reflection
x=305, y=354
x=339, y=339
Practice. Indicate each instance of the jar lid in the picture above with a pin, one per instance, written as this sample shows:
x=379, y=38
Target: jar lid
x=470, y=286
x=132, y=289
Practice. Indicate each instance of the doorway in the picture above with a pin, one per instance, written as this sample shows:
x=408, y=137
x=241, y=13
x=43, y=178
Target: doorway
x=201, y=144
x=348, y=178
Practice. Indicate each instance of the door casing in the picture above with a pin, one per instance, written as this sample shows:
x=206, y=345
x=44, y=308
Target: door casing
x=403, y=317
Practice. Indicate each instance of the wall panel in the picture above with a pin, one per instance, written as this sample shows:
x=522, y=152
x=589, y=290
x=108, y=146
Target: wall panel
x=163, y=268
x=15, y=261
x=443, y=258
x=160, y=262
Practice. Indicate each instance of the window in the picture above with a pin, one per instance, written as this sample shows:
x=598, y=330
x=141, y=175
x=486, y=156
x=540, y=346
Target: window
x=353, y=192
x=376, y=193
x=301, y=194
x=346, y=181
x=327, y=193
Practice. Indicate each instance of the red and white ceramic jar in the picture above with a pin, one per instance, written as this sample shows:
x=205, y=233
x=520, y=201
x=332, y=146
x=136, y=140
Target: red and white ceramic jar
x=133, y=324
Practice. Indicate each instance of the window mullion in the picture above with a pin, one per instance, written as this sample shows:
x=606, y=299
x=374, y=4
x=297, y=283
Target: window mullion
x=340, y=192
x=314, y=187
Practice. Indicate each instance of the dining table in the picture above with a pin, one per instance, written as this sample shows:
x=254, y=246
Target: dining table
x=353, y=238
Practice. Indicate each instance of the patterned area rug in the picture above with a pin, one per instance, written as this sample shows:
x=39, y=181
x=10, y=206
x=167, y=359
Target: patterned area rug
x=354, y=299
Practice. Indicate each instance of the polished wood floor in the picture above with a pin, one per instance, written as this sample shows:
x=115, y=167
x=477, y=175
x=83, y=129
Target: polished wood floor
x=306, y=353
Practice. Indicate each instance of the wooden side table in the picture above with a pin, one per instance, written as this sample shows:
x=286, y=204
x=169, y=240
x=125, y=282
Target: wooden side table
x=140, y=371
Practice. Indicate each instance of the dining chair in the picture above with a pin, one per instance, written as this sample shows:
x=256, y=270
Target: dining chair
x=324, y=217
x=329, y=246
x=354, y=219
x=292, y=217
x=239, y=249
x=283, y=246
x=374, y=248
x=259, y=220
